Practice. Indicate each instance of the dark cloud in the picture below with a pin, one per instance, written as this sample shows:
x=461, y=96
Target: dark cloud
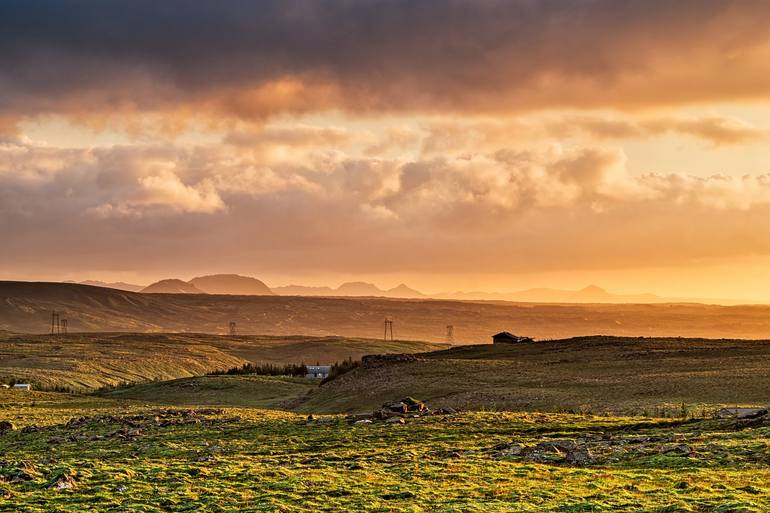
x=251, y=59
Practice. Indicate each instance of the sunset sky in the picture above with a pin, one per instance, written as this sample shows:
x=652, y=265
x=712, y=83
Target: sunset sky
x=460, y=144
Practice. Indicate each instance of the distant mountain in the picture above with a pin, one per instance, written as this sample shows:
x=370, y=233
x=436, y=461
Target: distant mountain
x=590, y=294
x=358, y=288
x=404, y=291
x=119, y=285
x=231, y=284
x=355, y=288
x=301, y=290
x=172, y=286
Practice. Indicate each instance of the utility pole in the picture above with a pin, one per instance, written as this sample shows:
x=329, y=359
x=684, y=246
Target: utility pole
x=63, y=326
x=388, y=328
x=450, y=334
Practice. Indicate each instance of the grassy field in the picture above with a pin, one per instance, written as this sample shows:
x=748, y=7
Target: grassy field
x=247, y=391
x=75, y=454
x=91, y=360
x=597, y=374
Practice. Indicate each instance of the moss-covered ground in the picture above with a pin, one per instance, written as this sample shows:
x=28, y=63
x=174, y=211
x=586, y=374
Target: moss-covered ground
x=80, y=453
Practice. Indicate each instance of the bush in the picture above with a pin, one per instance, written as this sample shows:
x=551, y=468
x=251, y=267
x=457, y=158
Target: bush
x=264, y=369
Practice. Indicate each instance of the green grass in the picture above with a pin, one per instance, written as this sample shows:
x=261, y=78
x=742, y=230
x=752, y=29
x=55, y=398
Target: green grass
x=258, y=460
x=249, y=391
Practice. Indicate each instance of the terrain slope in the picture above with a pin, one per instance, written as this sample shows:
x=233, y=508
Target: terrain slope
x=27, y=307
x=92, y=360
x=599, y=374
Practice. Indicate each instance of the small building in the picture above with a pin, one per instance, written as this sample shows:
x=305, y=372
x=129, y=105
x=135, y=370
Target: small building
x=22, y=386
x=505, y=337
x=318, y=371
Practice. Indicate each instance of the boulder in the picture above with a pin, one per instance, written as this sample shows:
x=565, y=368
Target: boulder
x=676, y=450
x=5, y=426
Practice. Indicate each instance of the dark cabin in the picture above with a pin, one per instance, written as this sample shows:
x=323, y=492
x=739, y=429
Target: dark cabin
x=508, y=338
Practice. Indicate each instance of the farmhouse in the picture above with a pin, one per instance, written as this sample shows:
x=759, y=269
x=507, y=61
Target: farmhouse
x=509, y=338
x=318, y=371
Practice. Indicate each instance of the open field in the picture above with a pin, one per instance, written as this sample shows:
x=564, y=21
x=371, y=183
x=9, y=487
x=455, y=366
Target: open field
x=275, y=392
x=26, y=307
x=92, y=360
x=599, y=374
x=87, y=454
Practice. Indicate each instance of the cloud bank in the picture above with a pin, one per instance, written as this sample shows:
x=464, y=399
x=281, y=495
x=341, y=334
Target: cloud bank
x=252, y=60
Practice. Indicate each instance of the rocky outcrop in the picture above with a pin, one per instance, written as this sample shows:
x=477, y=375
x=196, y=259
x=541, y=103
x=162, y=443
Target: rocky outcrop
x=379, y=360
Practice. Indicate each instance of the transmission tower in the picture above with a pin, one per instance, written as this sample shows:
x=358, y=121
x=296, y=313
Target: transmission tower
x=232, y=328
x=55, y=323
x=388, y=328
x=450, y=333
x=63, y=329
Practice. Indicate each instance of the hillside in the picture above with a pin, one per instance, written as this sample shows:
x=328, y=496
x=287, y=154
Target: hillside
x=592, y=373
x=27, y=306
x=273, y=392
x=84, y=361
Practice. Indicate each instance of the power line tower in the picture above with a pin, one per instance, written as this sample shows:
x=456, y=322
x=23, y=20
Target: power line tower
x=388, y=328
x=450, y=333
x=232, y=329
x=55, y=323
x=63, y=329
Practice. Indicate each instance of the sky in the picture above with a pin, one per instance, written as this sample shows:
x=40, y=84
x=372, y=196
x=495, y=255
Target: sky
x=454, y=145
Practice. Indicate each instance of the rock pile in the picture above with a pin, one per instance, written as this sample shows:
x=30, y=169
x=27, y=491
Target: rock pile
x=378, y=360
x=595, y=449
x=396, y=412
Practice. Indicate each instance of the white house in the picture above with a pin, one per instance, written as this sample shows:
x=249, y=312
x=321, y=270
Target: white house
x=22, y=386
x=318, y=371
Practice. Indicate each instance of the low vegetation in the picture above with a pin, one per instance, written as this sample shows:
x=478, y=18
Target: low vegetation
x=73, y=454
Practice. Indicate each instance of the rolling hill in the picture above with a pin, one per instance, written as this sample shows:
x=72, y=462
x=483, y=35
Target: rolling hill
x=82, y=360
x=596, y=374
x=26, y=307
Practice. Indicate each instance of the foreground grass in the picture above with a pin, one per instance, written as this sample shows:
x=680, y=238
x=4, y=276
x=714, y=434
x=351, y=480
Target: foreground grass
x=140, y=458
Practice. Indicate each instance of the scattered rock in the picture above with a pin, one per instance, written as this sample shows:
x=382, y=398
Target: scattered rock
x=378, y=360
x=676, y=450
x=121, y=488
x=363, y=421
x=395, y=420
x=741, y=413
x=311, y=418
x=398, y=495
